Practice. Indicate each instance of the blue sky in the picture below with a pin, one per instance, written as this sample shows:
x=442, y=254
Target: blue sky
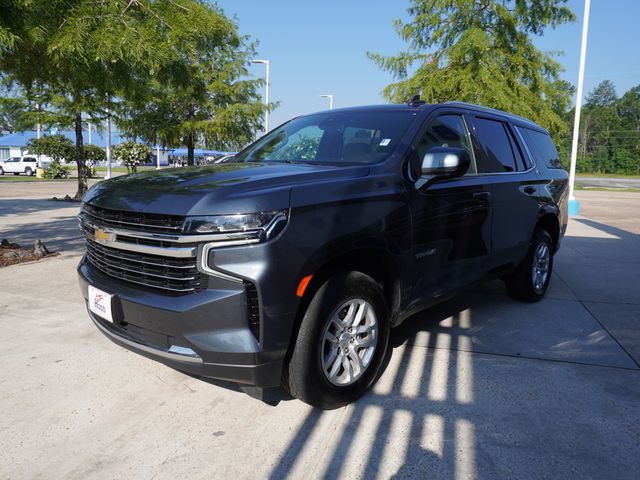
x=320, y=47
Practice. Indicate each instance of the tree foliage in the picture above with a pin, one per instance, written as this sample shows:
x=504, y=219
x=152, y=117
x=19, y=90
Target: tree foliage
x=79, y=58
x=481, y=51
x=132, y=154
x=212, y=102
x=609, y=139
x=94, y=153
x=12, y=114
x=57, y=147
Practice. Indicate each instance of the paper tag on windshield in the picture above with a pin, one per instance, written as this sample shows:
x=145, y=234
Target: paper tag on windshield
x=384, y=142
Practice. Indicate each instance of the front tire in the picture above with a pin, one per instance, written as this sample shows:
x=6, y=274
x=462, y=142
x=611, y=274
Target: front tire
x=342, y=342
x=531, y=279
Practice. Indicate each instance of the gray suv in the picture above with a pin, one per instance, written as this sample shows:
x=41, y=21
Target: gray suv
x=289, y=265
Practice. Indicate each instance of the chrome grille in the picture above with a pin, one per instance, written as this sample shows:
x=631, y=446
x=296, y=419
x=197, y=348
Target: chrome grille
x=143, y=222
x=156, y=254
x=179, y=275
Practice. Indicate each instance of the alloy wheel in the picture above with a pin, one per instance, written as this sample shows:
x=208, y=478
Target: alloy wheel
x=349, y=342
x=540, y=268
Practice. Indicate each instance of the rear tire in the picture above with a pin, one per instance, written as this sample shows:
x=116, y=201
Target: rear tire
x=28, y=171
x=531, y=279
x=342, y=342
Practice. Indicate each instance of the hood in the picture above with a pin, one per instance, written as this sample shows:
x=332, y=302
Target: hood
x=213, y=189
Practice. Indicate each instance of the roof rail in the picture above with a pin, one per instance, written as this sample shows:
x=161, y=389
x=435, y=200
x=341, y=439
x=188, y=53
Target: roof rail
x=490, y=110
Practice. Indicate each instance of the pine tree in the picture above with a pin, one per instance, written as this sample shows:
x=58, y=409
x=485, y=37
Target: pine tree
x=481, y=51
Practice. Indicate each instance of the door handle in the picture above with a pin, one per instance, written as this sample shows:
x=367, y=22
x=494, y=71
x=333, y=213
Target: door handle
x=482, y=196
x=529, y=190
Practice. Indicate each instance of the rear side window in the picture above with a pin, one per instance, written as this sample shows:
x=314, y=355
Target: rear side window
x=542, y=148
x=493, y=135
x=29, y=159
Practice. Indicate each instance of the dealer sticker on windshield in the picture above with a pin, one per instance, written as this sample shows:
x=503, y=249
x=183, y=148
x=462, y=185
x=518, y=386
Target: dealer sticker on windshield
x=100, y=303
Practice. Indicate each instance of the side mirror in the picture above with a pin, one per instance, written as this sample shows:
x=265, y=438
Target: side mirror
x=445, y=162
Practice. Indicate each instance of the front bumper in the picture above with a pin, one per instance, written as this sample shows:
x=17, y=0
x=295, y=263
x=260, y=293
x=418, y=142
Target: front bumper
x=204, y=334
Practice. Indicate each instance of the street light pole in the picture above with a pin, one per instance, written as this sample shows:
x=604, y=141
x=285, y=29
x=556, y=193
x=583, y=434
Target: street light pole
x=158, y=153
x=108, y=142
x=330, y=97
x=574, y=205
x=266, y=94
x=39, y=128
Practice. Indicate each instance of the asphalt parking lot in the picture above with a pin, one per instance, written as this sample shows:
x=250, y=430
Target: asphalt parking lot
x=479, y=387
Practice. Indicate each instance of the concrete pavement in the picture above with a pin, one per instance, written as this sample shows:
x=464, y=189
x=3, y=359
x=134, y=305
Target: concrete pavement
x=477, y=387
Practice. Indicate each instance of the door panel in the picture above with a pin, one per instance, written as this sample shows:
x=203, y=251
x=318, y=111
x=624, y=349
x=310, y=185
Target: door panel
x=452, y=234
x=12, y=167
x=515, y=190
x=451, y=219
x=515, y=213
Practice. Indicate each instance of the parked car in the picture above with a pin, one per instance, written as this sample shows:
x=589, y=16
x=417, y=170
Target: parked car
x=290, y=265
x=18, y=165
x=225, y=158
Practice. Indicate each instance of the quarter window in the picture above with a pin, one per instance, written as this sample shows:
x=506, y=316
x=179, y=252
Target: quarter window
x=542, y=147
x=521, y=163
x=493, y=135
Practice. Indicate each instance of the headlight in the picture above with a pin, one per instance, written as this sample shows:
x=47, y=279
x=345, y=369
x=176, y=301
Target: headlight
x=242, y=222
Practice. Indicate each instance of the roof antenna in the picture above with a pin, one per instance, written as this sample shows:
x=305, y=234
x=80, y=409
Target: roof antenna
x=415, y=101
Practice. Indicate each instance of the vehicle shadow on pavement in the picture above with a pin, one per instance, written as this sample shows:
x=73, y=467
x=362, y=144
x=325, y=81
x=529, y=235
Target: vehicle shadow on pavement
x=25, y=206
x=457, y=402
x=400, y=408
x=25, y=220
x=58, y=234
x=618, y=232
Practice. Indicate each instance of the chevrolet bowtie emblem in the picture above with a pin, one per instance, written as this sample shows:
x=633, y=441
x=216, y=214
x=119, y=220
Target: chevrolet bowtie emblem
x=104, y=235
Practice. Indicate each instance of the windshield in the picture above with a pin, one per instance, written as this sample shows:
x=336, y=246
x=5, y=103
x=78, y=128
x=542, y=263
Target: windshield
x=331, y=137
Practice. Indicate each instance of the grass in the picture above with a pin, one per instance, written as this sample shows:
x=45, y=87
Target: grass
x=605, y=189
x=25, y=178
x=123, y=169
x=605, y=175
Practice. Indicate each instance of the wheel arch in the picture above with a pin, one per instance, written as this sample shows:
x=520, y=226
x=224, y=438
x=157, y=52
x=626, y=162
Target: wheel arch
x=551, y=224
x=377, y=263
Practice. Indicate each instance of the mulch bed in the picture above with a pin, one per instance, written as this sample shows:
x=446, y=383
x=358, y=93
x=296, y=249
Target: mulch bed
x=12, y=253
x=66, y=198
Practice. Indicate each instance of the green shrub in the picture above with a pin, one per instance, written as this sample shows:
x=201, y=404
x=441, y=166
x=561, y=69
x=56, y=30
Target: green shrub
x=56, y=170
x=132, y=154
